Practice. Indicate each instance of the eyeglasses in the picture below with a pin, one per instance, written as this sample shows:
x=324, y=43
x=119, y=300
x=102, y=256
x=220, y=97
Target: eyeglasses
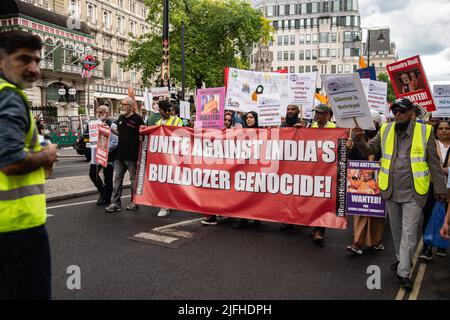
x=395, y=111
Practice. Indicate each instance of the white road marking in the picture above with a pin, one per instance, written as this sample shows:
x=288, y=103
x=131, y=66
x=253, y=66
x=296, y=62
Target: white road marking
x=50, y=215
x=182, y=223
x=179, y=233
x=76, y=165
x=418, y=282
x=77, y=203
x=155, y=237
x=401, y=293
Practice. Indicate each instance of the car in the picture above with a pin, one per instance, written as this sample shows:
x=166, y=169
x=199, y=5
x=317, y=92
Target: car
x=82, y=145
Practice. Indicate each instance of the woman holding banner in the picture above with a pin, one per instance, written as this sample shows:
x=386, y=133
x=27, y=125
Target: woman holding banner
x=251, y=121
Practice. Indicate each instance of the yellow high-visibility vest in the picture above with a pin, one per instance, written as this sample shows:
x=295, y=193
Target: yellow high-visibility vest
x=328, y=125
x=418, y=158
x=22, y=197
x=173, y=121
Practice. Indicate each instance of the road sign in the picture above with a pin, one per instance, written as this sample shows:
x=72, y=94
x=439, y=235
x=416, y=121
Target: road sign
x=72, y=91
x=89, y=63
x=62, y=91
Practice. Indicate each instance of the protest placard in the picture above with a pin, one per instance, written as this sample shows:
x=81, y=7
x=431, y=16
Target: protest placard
x=210, y=108
x=348, y=101
x=363, y=195
x=301, y=92
x=185, y=110
x=441, y=94
x=93, y=132
x=410, y=81
x=102, y=151
x=280, y=175
x=376, y=94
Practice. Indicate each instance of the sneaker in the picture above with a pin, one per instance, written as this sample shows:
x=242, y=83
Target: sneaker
x=210, y=221
x=163, y=212
x=242, y=223
x=405, y=282
x=317, y=238
x=427, y=253
x=113, y=208
x=441, y=252
x=132, y=206
x=378, y=247
x=355, y=249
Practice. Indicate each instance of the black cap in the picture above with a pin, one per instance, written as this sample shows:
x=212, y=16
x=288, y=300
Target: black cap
x=403, y=103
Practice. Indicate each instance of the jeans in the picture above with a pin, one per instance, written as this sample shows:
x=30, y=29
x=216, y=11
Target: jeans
x=121, y=167
x=25, y=265
x=105, y=188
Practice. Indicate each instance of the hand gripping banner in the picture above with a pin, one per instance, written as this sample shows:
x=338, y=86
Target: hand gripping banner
x=287, y=175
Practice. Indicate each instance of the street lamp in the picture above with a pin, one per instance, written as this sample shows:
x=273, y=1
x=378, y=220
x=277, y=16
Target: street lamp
x=380, y=39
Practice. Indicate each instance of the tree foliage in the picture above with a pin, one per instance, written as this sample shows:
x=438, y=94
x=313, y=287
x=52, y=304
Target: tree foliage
x=390, y=90
x=218, y=33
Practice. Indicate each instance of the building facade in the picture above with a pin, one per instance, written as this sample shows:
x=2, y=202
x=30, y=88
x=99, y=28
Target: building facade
x=382, y=49
x=70, y=30
x=312, y=35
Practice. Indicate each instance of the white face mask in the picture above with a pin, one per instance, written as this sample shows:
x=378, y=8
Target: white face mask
x=123, y=112
x=102, y=118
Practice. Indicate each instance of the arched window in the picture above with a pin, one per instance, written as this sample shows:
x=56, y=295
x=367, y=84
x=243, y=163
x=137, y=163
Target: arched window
x=48, y=49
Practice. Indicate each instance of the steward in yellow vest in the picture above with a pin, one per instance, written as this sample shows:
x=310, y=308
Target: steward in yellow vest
x=409, y=161
x=24, y=247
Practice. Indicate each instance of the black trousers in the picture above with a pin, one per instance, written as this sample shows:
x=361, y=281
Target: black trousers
x=105, y=188
x=25, y=265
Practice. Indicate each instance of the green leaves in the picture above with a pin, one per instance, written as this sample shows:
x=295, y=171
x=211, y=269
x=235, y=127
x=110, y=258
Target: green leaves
x=218, y=33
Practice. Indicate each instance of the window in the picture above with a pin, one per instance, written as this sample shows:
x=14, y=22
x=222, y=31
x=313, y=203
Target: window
x=121, y=45
x=270, y=11
x=336, y=6
x=315, y=22
x=302, y=39
x=325, y=6
x=74, y=8
x=315, y=7
x=314, y=68
x=334, y=21
x=302, y=23
x=292, y=69
x=347, y=52
x=133, y=7
x=348, y=21
x=107, y=19
x=143, y=29
x=285, y=55
x=315, y=38
x=304, y=8
x=334, y=37
x=286, y=40
x=347, y=68
x=308, y=69
x=314, y=54
x=282, y=13
x=292, y=40
x=279, y=56
x=355, y=5
x=292, y=9
x=324, y=37
x=340, y=68
x=333, y=53
x=120, y=23
x=308, y=54
x=301, y=69
x=133, y=28
x=120, y=3
x=280, y=40
x=324, y=69
x=308, y=23
x=333, y=68
x=107, y=41
x=301, y=55
x=355, y=68
x=309, y=8
x=348, y=36
x=308, y=38
x=92, y=13
x=292, y=55
x=324, y=53
x=119, y=73
x=133, y=77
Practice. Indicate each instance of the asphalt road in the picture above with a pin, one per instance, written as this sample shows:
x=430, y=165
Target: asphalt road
x=71, y=167
x=218, y=263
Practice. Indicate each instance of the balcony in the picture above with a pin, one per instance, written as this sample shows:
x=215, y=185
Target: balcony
x=47, y=65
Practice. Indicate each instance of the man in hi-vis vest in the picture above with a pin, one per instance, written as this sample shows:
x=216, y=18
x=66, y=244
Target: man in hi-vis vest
x=25, y=269
x=409, y=160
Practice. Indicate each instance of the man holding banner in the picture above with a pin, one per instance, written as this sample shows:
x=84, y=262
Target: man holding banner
x=409, y=158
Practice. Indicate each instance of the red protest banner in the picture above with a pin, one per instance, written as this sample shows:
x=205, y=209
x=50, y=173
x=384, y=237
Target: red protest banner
x=287, y=175
x=101, y=154
x=410, y=81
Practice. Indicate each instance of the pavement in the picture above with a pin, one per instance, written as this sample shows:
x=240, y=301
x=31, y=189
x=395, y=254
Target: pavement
x=60, y=186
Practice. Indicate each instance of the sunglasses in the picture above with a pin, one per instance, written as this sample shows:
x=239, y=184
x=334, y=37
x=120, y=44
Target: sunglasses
x=395, y=111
